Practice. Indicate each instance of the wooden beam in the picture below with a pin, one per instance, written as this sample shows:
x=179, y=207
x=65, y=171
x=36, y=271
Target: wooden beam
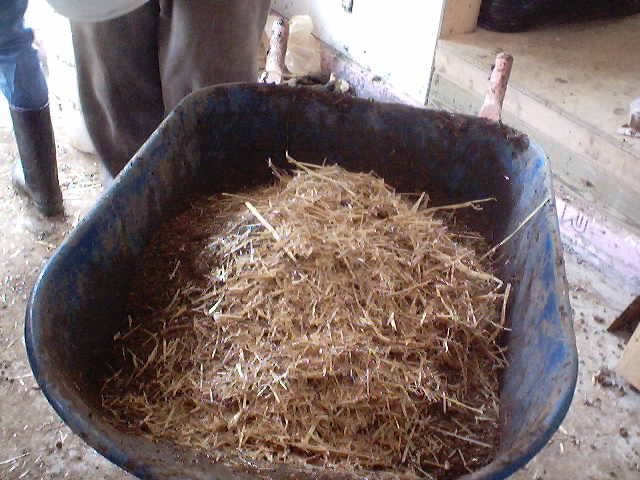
x=629, y=319
x=629, y=365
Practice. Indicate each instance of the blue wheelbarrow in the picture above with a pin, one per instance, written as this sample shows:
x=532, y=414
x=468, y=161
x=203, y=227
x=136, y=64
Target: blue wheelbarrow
x=222, y=136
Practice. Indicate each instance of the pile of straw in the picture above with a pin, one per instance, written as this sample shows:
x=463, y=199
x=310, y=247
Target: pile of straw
x=326, y=322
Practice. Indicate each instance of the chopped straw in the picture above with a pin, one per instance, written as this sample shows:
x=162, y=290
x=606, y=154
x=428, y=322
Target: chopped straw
x=347, y=329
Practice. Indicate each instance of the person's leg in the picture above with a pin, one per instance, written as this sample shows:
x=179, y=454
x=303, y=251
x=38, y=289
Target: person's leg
x=24, y=86
x=119, y=82
x=206, y=42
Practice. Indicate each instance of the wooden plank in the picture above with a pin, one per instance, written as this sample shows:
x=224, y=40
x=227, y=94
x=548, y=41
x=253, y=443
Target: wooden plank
x=629, y=365
x=460, y=16
x=629, y=319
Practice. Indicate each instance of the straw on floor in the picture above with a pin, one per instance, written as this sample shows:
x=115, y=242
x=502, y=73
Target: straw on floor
x=324, y=321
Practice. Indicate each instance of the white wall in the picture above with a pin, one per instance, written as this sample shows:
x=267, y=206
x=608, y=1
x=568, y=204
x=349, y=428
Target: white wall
x=396, y=40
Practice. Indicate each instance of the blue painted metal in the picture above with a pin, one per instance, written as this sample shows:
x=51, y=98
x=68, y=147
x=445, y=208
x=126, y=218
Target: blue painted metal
x=220, y=137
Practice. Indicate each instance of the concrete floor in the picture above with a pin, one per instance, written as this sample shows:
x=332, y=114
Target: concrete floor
x=600, y=438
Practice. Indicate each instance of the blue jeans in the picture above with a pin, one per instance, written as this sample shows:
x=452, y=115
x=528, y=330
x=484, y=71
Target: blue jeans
x=21, y=79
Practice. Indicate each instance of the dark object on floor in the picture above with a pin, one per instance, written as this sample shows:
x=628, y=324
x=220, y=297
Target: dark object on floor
x=607, y=378
x=521, y=15
x=322, y=82
x=36, y=172
x=629, y=319
x=632, y=129
x=221, y=136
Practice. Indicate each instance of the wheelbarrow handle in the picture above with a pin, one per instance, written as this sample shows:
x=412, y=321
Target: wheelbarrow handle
x=492, y=106
x=275, y=66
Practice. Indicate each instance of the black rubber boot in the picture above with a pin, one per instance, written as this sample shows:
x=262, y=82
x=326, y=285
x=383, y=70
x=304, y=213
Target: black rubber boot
x=36, y=172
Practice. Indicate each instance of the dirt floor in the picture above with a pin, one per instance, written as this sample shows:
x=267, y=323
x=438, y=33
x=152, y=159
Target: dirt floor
x=600, y=438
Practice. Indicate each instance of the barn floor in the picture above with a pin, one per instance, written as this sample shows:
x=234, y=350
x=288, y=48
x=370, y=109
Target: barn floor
x=600, y=438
